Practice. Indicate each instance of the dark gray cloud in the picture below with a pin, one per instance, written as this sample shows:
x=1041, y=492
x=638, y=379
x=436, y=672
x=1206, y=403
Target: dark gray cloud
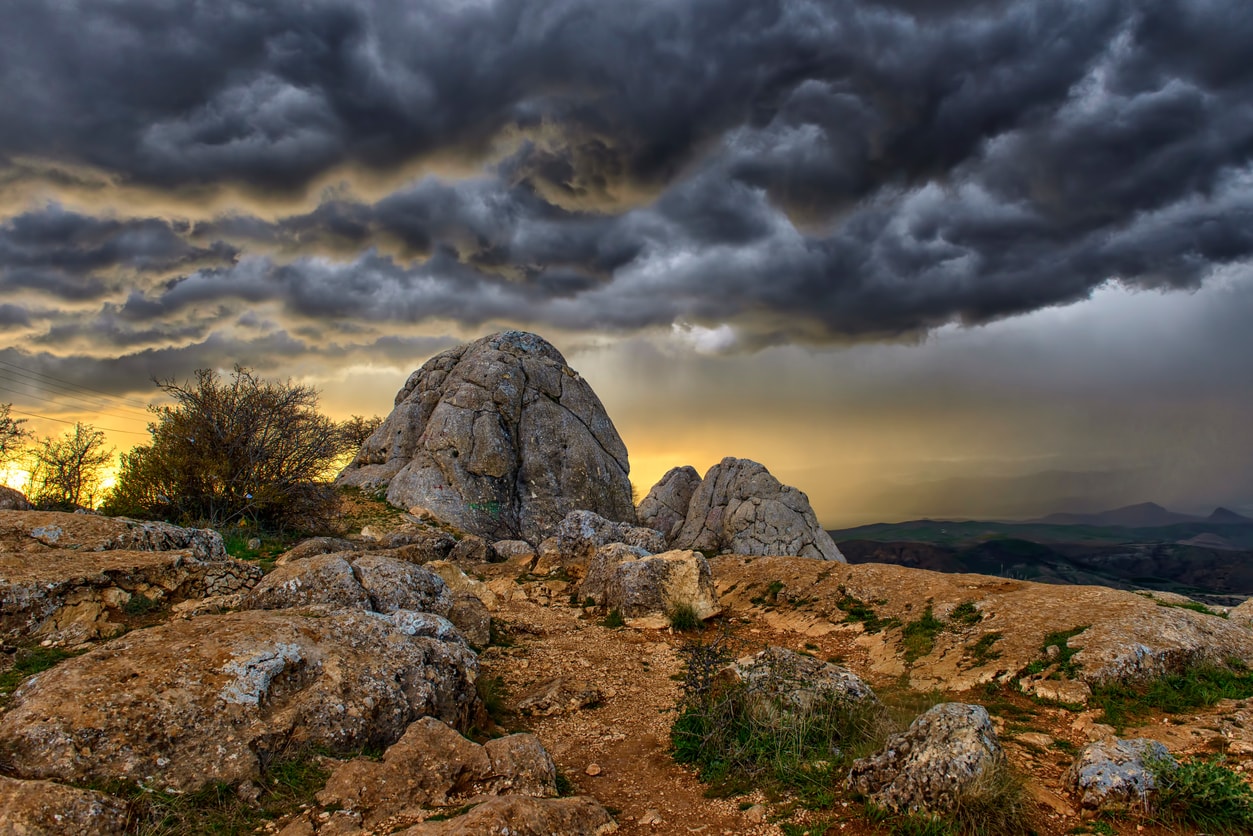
x=803, y=171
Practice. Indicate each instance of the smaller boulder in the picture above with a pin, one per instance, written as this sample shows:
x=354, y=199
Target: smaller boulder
x=42, y=807
x=800, y=681
x=322, y=579
x=1242, y=615
x=471, y=549
x=646, y=589
x=942, y=756
x=433, y=765
x=1117, y=774
x=518, y=551
x=522, y=815
x=313, y=547
x=400, y=585
x=560, y=695
x=471, y=618
x=581, y=533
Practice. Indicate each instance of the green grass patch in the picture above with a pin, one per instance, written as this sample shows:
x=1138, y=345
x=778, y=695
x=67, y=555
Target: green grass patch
x=492, y=693
x=1065, y=657
x=1195, y=606
x=139, y=604
x=981, y=652
x=1202, y=794
x=27, y=662
x=770, y=596
x=1195, y=687
x=217, y=808
x=966, y=613
x=757, y=735
x=613, y=620
x=918, y=637
x=858, y=611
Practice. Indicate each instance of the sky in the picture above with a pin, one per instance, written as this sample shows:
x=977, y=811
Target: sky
x=918, y=257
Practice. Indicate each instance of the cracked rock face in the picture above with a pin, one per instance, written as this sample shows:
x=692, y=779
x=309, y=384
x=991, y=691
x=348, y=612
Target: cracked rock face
x=929, y=767
x=501, y=439
x=214, y=698
x=739, y=508
x=1117, y=774
x=665, y=507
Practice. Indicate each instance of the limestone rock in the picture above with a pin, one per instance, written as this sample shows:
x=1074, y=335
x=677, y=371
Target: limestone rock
x=1242, y=615
x=214, y=698
x=520, y=815
x=740, y=508
x=433, y=765
x=398, y=585
x=500, y=438
x=646, y=588
x=42, y=808
x=323, y=579
x=79, y=587
x=459, y=582
x=929, y=767
x=515, y=550
x=354, y=581
x=315, y=546
x=471, y=549
x=471, y=618
x=665, y=507
x=13, y=500
x=581, y=533
x=1114, y=774
x=799, y=680
x=559, y=695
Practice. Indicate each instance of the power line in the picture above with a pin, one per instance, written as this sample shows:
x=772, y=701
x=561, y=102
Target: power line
x=97, y=404
x=72, y=423
x=71, y=384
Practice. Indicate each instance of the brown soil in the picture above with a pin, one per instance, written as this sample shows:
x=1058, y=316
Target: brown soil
x=626, y=735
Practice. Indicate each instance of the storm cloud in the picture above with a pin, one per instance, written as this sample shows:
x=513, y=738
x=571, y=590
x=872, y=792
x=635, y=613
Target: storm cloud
x=788, y=172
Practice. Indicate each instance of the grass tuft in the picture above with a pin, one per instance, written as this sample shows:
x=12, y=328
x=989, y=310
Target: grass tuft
x=1203, y=794
x=613, y=620
x=1194, y=687
x=918, y=637
x=684, y=618
x=28, y=662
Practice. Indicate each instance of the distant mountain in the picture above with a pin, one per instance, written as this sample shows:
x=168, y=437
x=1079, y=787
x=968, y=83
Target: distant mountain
x=1143, y=515
x=1223, y=516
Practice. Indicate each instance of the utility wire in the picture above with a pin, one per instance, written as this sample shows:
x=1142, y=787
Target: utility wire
x=103, y=407
x=72, y=423
x=71, y=384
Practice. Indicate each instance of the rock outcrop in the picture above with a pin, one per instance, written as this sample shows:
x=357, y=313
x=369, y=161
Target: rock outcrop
x=581, y=533
x=665, y=507
x=800, y=681
x=13, y=500
x=500, y=438
x=739, y=508
x=216, y=697
x=520, y=815
x=75, y=577
x=943, y=756
x=434, y=766
x=34, y=808
x=646, y=589
x=1116, y=774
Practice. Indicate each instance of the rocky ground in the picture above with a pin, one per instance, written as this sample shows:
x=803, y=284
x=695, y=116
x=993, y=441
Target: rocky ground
x=337, y=645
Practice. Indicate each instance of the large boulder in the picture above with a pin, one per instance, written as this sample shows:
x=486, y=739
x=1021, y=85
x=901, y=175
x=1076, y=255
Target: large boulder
x=665, y=507
x=739, y=508
x=499, y=438
x=646, y=589
x=216, y=698
x=941, y=757
x=434, y=766
x=1117, y=774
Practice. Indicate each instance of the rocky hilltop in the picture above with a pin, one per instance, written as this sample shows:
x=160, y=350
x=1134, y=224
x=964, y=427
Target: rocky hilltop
x=500, y=438
x=449, y=669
